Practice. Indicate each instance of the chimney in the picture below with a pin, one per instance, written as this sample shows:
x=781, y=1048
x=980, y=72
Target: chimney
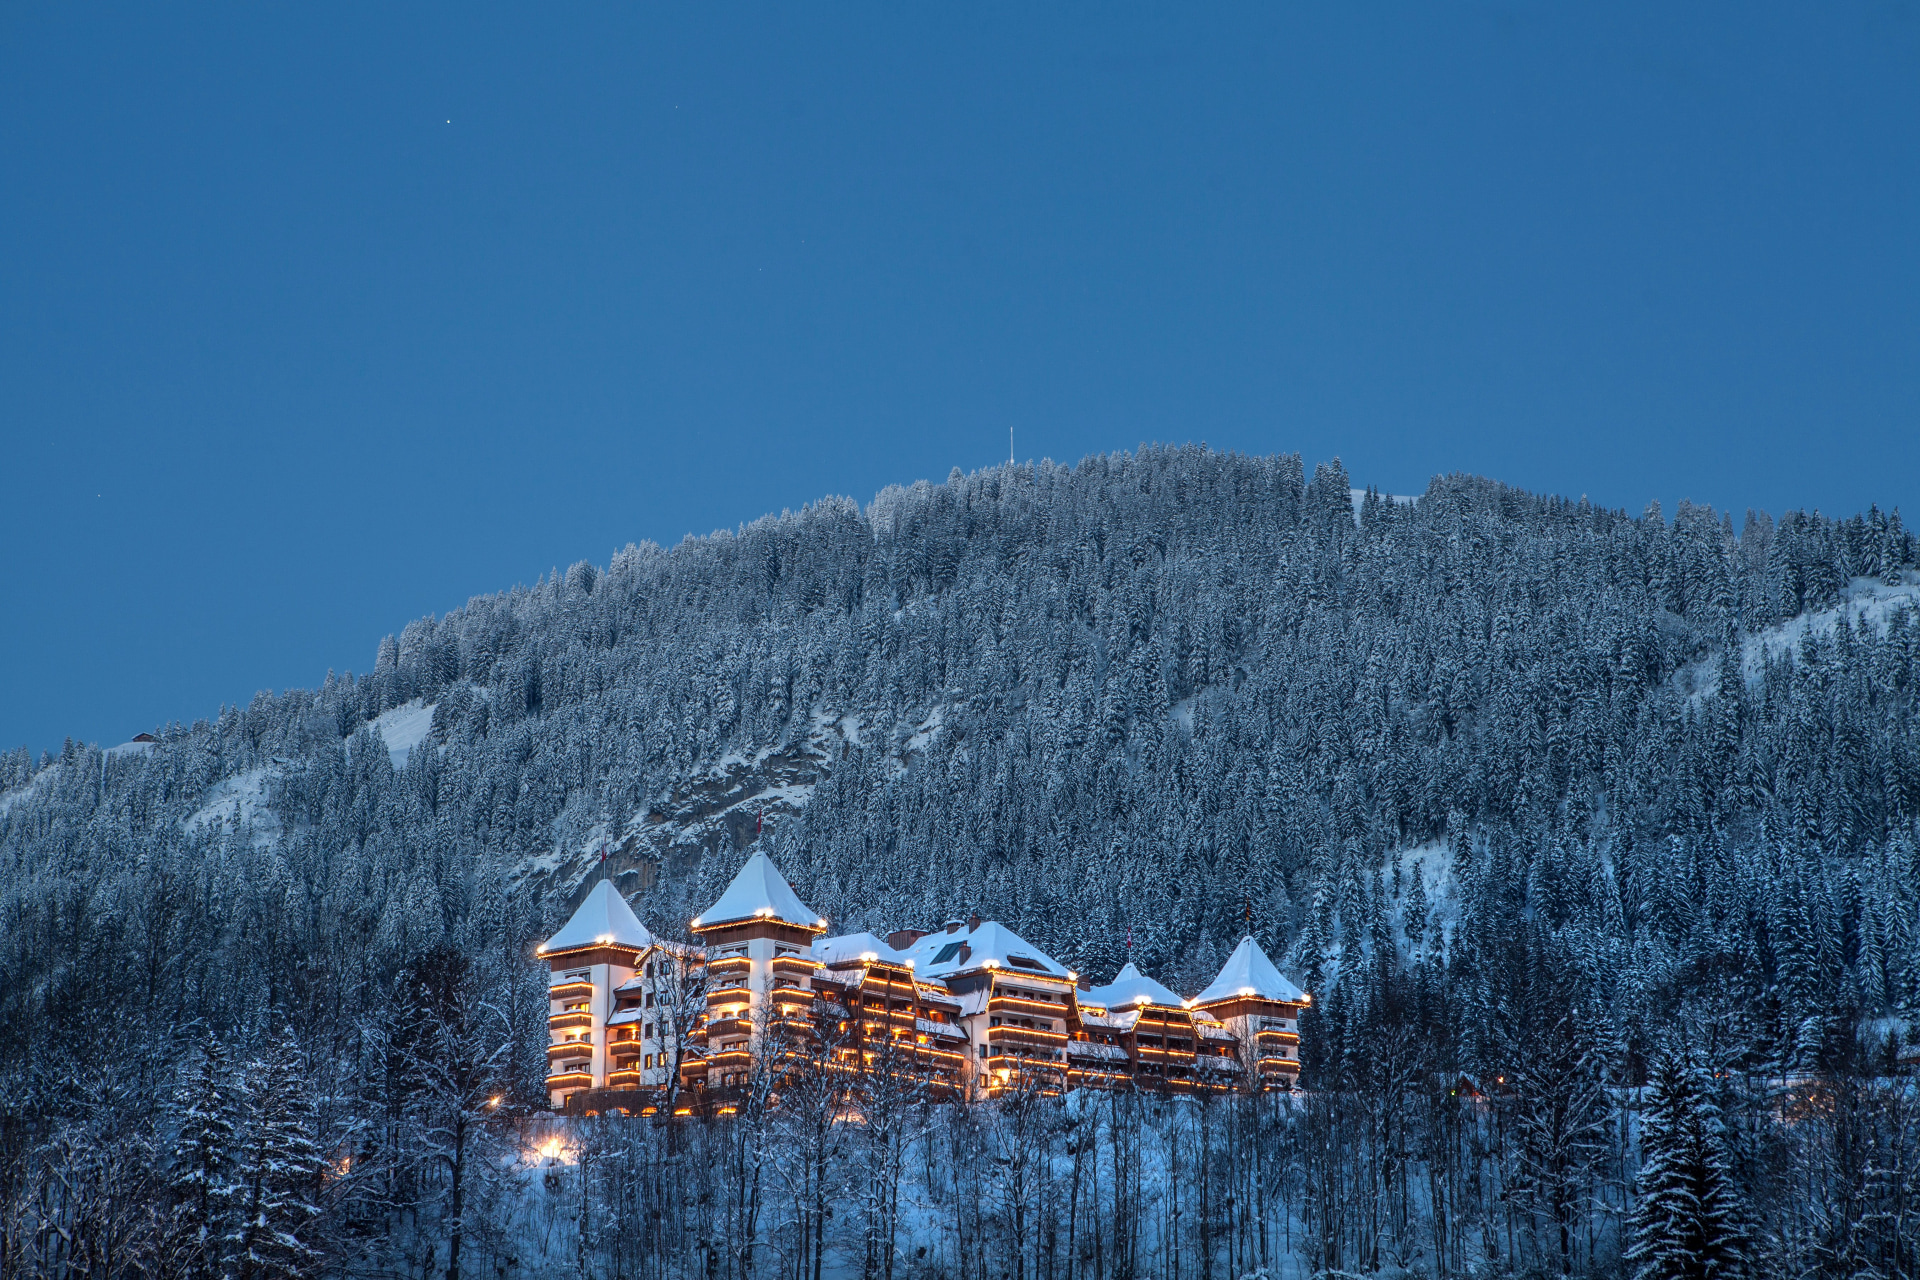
x=901, y=939
x=953, y=926
x=973, y=922
x=966, y=953
x=1081, y=982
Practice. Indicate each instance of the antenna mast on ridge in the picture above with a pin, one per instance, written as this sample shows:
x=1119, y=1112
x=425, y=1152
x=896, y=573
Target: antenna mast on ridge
x=1009, y=446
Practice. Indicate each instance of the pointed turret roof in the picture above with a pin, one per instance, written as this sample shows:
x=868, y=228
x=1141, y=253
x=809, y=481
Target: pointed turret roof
x=760, y=892
x=1130, y=987
x=1248, y=972
x=604, y=919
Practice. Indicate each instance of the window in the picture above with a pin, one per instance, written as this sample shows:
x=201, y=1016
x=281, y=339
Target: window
x=647, y=1061
x=1026, y=962
x=649, y=1003
x=947, y=952
x=983, y=1051
x=582, y=976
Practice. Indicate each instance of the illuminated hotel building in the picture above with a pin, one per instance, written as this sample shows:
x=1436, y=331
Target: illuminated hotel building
x=970, y=1009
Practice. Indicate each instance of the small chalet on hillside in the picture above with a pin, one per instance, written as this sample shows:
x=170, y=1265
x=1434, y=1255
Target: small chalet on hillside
x=969, y=1010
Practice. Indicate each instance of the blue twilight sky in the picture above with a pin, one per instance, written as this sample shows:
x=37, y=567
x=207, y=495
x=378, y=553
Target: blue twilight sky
x=315, y=319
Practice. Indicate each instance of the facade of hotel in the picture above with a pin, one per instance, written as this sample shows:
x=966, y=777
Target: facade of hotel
x=970, y=1009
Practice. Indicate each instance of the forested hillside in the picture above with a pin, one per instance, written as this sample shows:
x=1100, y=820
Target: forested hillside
x=1519, y=786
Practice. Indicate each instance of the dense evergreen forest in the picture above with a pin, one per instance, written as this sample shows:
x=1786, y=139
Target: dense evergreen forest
x=1594, y=835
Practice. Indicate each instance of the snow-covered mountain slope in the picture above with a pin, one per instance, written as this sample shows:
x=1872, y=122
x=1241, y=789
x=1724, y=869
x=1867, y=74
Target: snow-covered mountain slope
x=1148, y=694
x=1866, y=604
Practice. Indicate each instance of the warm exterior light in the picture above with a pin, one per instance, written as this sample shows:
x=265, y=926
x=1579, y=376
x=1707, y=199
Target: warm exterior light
x=494, y=1101
x=696, y=922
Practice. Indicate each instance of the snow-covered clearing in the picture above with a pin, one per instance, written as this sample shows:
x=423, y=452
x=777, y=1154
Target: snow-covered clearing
x=1867, y=603
x=18, y=794
x=404, y=728
x=239, y=804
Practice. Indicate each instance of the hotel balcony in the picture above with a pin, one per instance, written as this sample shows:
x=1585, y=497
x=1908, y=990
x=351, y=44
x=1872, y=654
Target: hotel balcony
x=1026, y=1008
x=1160, y=1053
x=794, y=966
x=569, y=1079
x=576, y=1018
x=734, y=1025
x=1094, y=1078
x=1026, y=1035
x=623, y=1080
x=570, y=991
x=569, y=1048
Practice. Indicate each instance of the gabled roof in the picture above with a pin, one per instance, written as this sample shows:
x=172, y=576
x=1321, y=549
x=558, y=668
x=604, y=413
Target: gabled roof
x=1130, y=988
x=760, y=892
x=855, y=948
x=941, y=954
x=604, y=919
x=1248, y=972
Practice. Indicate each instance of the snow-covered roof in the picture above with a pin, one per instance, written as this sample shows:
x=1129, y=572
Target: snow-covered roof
x=1248, y=972
x=626, y=1016
x=603, y=920
x=1109, y=1021
x=941, y=954
x=856, y=948
x=1089, y=1049
x=760, y=892
x=1131, y=987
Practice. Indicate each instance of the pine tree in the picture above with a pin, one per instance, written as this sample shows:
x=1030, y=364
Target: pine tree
x=203, y=1179
x=280, y=1169
x=1687, y=1222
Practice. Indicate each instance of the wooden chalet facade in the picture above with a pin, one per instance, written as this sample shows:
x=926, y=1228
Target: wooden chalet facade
x=969, y=1010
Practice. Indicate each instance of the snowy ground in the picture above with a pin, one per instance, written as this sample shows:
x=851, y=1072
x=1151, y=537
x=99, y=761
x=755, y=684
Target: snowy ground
x=1866, y=603
x=13, y=797
x=404, y=728
x=239, y=804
